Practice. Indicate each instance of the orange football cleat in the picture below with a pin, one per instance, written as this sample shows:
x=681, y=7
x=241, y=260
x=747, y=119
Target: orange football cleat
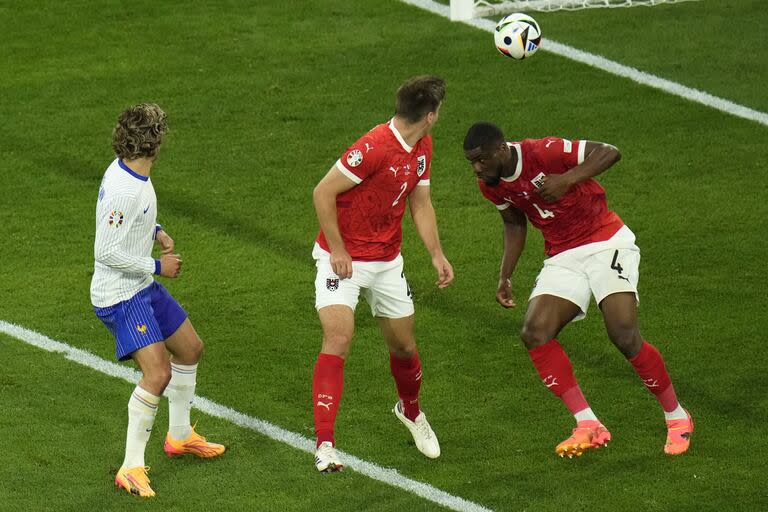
x=679, y=435
x=588, y=434
x=135, y=481
x=194, y=444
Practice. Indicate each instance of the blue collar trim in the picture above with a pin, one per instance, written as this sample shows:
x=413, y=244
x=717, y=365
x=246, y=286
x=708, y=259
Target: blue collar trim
x=131, y=171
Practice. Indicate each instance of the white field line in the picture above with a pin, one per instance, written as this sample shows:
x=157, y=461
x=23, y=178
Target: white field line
x=614, y=68
x=386, y=475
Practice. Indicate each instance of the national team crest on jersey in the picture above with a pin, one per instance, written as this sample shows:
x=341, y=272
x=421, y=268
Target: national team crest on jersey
x=116, y=218
x=332, y=284
x=422, y=165
x=538, y=181
x=355, y=158
x=142, y=328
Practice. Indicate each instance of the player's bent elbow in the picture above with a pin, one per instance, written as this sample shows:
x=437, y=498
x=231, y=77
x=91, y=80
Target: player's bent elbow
x=104, y=256
x=614, y=154
x=318, y=194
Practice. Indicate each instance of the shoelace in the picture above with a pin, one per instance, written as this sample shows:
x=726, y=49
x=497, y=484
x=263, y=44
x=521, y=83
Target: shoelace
x=423, y=426
x=146, y=470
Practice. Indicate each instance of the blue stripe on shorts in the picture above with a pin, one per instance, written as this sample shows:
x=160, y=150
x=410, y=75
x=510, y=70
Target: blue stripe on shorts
x=150, y=316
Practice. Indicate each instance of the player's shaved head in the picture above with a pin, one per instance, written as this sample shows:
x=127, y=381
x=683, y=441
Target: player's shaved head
x=139, y=131
x=419, y=96
x=483, y=135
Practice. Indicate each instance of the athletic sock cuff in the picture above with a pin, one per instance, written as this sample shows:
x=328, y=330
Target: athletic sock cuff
x=330, y=360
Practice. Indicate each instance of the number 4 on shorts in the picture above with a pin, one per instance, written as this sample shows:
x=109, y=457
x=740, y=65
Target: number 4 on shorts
x=615, y=265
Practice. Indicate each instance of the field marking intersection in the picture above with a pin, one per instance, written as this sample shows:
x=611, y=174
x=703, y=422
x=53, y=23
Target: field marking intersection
x=385, y=475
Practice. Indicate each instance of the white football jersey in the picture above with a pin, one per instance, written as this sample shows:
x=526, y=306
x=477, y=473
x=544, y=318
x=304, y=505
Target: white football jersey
x=126, y=216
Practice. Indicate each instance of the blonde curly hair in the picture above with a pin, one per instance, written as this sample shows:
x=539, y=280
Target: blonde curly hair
x=139, y=131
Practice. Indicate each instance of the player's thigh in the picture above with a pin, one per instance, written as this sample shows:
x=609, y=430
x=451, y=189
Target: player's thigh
x=620, y=317
x=389, y=295
x=398, y=333
x=615, y=270
x=185, y=344
x=155, y=367
x=169, y=314
x=330, y=290
x=338, y=324
x=132, y=322
x=545, y=318
x=564, y=278
x=180, y=336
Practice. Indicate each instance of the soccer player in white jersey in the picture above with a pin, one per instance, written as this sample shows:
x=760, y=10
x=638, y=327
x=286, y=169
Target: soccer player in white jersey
x=144, y=318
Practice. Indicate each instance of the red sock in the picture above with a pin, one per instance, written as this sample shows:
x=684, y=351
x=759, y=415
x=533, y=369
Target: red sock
x=556, y=372
x=649, y=365
x=327, y=385
x=407, y=374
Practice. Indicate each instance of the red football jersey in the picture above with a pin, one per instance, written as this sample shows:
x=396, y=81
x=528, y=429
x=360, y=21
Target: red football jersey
x=386, y=170
x=580, y=217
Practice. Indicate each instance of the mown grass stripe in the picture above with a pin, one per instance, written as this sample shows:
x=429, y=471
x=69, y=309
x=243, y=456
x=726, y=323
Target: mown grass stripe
x=386, y=475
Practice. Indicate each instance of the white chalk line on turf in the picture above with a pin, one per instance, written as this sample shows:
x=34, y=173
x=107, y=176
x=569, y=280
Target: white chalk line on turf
x=614, y=68
x=386, y=475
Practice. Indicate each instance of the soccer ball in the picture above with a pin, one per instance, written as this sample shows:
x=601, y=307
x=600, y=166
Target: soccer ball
x=517, y=36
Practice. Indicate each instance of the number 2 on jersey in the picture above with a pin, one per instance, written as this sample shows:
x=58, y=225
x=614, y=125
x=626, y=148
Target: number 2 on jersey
x=402, y=191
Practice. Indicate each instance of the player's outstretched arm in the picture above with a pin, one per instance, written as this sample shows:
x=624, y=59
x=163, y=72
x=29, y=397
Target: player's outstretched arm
x=515, y=230
x=425, y=220
x=599, y=157
x=324, y=199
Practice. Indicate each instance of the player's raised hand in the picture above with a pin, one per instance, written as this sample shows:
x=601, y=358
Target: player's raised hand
x=170, y=265
x=554, y=187
x=504, y=294
x=341, y=263
x=165, y=241
x=444, y=271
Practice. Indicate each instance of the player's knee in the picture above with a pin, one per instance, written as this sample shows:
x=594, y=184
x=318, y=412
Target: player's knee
x=196, y=351
x=157, y=379
x=627, y=340
x=337, y=344
x=404, y=351
x=534, y=334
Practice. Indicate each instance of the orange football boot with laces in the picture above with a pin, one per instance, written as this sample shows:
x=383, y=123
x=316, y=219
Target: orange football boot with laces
x=679, y=435
x=135, y=481
x=588, y=434
x=194, y=444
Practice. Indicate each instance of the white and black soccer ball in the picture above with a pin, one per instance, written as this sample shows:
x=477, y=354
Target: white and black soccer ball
x=517, y=36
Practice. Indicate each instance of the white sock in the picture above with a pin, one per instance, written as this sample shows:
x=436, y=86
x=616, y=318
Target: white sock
x=678, y=414
x=142, y=408
x=181, y=392
x=585, y=414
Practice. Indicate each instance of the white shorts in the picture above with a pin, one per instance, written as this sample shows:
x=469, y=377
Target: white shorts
x=382, y=283
x=599, y=269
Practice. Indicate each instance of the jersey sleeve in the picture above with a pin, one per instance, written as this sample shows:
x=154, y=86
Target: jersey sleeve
x=360, y=160
x=424, y=164
x=112, y=228
x=492, y=196
x=559, y=155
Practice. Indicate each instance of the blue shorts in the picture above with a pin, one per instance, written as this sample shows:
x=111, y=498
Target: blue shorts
x=150, y=316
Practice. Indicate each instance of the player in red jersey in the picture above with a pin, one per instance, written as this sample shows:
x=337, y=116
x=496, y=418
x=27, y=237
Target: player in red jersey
x=360, y=205
x=589, y=252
